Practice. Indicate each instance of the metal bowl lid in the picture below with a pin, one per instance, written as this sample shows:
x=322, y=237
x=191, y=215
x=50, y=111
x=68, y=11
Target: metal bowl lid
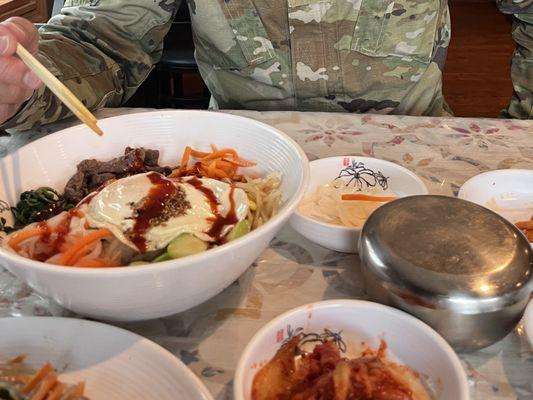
x=446, y=247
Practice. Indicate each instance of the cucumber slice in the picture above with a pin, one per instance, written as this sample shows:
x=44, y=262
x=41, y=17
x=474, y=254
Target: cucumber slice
x=241, y=229
x=185, y=245
x=163, y=257
x=137, y=263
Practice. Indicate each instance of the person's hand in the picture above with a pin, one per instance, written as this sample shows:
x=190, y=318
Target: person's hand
x=17, y=82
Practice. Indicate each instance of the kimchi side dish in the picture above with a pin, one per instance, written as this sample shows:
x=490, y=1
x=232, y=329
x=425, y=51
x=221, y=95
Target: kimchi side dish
x=324, y=374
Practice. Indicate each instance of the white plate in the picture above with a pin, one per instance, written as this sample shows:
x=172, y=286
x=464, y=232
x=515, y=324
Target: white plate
x=528, y=323
x=509, y=192
x=169, y=287
x=409, y=341
x=401, y=181
x=114, y=364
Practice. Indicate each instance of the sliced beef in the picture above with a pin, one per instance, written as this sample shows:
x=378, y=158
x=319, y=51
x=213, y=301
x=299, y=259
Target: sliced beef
x=91, y=174
x=74, y=188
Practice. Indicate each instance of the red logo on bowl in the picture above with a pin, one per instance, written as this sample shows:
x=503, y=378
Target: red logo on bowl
x=346, y=162
x=279, y=336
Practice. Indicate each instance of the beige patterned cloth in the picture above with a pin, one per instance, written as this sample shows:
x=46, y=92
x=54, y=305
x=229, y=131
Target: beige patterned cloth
x=444, y=152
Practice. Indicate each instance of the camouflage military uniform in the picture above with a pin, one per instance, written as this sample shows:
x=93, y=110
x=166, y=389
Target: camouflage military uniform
x=379, y=56
x=521, y=105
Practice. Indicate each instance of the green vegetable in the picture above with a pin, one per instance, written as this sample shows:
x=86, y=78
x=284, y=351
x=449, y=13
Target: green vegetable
x=163, y=257
x=241, y=229
x=137, y=263
x=38, y=205
x=186, y=245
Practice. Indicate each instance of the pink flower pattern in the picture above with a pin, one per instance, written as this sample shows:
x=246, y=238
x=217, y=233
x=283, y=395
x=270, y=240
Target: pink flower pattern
x=329, y=132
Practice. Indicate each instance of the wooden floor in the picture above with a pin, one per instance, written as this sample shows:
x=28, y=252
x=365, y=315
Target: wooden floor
x=476, y=75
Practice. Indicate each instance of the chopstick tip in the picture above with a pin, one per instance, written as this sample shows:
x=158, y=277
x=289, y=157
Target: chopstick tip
x=97, y=129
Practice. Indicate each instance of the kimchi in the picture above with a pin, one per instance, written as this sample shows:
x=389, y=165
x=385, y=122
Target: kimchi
x=323, y=374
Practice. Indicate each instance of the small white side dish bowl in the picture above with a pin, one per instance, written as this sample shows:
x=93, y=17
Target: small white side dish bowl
x=344, y=239
x=508, y=192
x=528, y=322
x=409, y=341
x=114, y=364
x=155, y=290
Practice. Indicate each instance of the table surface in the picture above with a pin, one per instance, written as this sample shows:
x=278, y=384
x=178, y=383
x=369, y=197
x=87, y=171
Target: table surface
x=444, y=152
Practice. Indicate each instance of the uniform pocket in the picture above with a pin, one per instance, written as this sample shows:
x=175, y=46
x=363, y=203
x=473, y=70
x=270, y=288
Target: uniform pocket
x=395, y=28
x=252, y=44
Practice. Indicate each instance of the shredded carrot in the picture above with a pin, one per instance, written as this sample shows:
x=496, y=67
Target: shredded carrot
x=96, y=263
x=219, y=164
x=198, y=154
x=39, y=376
x=204, y=171
x=76, y=251
x=25, y=234
x=81, y=252
x=365, y=197
x=220, y=174
x=211, y=168
x=226, y=166
x=219, y=154
x=56, y=392
x=239, y=162
x=47, y=384
x=18, y=359
x=185, y=158
x=38, y=230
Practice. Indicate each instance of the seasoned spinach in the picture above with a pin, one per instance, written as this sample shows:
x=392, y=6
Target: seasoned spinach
x=38, y=205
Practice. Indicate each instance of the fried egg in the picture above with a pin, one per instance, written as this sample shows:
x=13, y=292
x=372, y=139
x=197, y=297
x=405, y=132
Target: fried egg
x=146, y=211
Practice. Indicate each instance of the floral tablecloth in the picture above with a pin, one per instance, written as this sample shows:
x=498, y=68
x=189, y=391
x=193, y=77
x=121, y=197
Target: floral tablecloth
x=444, y=152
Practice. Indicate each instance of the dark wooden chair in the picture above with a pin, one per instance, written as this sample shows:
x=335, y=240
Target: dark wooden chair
x=180, y=84
x=175, y=82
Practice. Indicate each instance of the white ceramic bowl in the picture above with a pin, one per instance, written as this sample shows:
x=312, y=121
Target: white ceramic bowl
x=409, y=341
x=341, y=238
x=528, y=322
x=508, y=192
x=114, y=364
x=165, y=288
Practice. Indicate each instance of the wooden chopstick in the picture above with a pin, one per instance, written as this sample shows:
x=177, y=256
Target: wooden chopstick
x=59, y=89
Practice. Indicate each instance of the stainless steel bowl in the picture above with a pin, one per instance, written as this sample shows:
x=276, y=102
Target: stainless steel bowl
x=459, y=267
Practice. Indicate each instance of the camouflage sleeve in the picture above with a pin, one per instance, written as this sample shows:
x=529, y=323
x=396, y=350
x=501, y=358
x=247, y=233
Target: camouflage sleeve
x=102, y=50
x=521, y=105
